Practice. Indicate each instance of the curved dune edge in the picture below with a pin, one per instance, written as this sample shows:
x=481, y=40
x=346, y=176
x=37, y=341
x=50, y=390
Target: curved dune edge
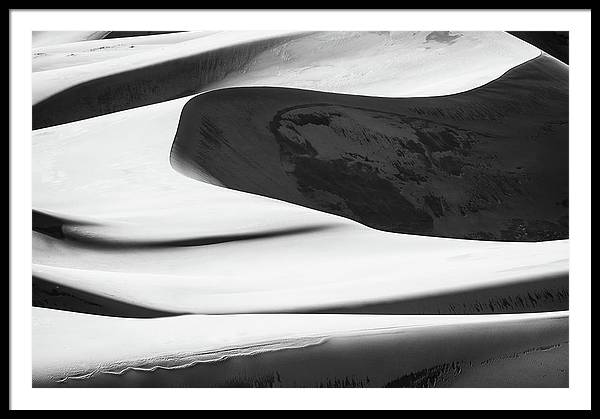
x=42, y=40
x=525, y=296
x=130, y=159
x=337, y=62
x=58, y=227
x=390, y=275
x=408, y=165
x=50, y=295
x=214, y=350
x=530, y=295
x=93, y=268
x=148, y=128
x=157, y=72
x=50, y=38
x=555, y=43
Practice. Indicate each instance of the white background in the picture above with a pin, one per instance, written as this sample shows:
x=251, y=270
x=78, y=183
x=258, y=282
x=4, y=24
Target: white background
x=22, y=395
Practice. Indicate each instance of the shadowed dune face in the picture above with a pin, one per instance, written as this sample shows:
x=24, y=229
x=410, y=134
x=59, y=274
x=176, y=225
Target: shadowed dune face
x=490, y=163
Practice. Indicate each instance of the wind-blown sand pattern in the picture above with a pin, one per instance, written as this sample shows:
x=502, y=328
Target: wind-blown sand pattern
x=289, y=209
x=275, y=344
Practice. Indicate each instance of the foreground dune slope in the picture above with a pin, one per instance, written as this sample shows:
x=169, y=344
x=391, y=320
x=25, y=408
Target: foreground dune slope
x=470, y=165
x=408, y=64
x=73, y=349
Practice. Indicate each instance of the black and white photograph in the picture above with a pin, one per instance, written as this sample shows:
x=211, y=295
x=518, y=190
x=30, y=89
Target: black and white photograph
x=244, y=206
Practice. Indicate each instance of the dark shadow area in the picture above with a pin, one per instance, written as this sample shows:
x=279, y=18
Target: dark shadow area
x=553, y=42
x=534, y=296
x=47, y=224
x=129, y=34
x=52, y=225
x=428, y=377
x=47, y=294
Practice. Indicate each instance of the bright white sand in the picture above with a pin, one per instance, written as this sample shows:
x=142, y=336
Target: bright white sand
x=55, y=56
x=48, y=38
x=378, y=64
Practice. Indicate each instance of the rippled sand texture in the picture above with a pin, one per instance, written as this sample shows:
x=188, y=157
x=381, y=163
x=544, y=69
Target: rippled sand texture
x=330, y=209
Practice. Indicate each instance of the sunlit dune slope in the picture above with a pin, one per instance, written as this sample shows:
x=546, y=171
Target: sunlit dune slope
x=407, y=64
x=46, y=38
x=67, y=55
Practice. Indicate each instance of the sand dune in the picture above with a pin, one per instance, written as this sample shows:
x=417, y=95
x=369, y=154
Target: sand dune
x=254, y=234
x=45, y=38
x=554, y=43
x=470, y=165
x=50, y=295
x=61, y=56
x=143, y=78
x=167, y=217
x=408, y=64
x=360, y=268
x=550, y=293
x=52, y=38
x=529, y=295
x=300, y=350
x=129, y=161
